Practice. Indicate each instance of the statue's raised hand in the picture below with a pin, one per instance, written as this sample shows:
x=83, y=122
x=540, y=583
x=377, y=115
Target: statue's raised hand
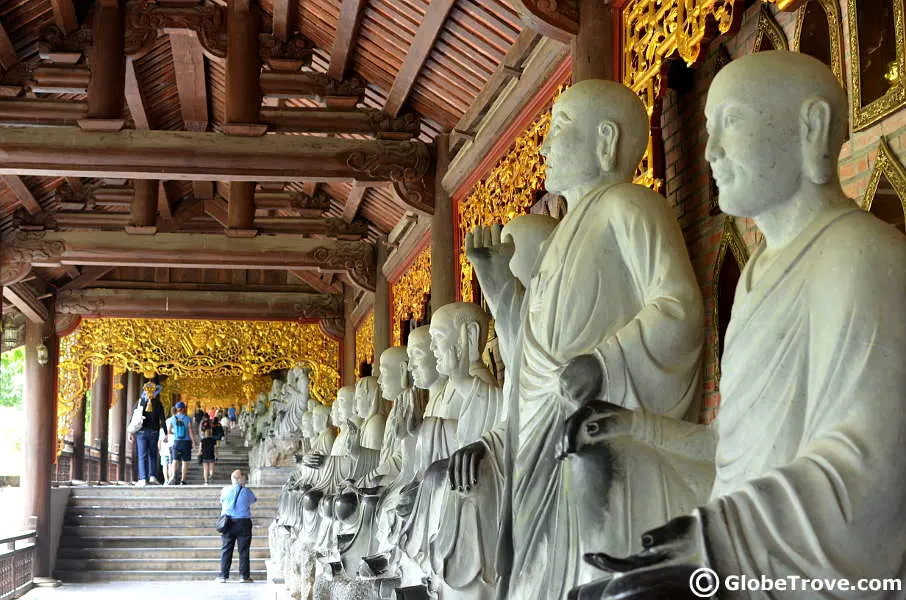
x=313, y=460
x=489, y=256
x=594, y=423
x=462, y=468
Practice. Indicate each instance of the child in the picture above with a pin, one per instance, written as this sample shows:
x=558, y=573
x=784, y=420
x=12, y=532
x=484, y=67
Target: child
x=164, y=443
x=207, y=450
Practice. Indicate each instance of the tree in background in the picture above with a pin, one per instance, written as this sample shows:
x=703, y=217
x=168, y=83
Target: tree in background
x=12, y=377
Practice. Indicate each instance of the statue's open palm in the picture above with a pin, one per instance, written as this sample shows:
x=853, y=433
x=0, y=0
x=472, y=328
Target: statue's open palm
x=487, y=253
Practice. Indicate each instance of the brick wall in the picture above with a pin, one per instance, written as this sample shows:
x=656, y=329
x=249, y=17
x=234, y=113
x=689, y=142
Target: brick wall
x=687, y=184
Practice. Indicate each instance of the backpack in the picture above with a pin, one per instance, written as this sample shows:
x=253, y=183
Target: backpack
x=179, y=428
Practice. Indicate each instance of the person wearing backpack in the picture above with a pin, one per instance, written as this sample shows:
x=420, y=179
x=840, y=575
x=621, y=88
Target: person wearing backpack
x=180, y=426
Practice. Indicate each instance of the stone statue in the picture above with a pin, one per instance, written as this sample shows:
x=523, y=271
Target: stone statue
x=810, y=480
x=452, y=533
x=612, y=311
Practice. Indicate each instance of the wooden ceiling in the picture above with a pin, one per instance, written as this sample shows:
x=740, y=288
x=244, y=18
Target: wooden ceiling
x=431, y=59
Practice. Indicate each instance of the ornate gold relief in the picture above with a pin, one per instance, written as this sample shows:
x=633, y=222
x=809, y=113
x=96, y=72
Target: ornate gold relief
x=409, y=292
x=226, y=390
x=194, y=349
x=653, y=30
x=364, y=341
x=508, y=191
x=864, y=115
x=889, y=166
x=835, y=34
x=732, y=241
x=769, y=31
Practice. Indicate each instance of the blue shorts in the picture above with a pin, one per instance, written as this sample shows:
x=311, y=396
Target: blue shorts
x=182, y=450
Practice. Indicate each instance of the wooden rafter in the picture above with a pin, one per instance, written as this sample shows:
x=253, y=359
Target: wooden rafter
x=216, y=208
x=285, y=12
x=88, y=276
x=164, y=206
x=8, y=55
x=344, y=41
x=316, y=281
x=23, y=298
x=188, y=65
x=134, y=99
x=418, y=53
x=353, y=201
x=26, y=198
x=64, y=15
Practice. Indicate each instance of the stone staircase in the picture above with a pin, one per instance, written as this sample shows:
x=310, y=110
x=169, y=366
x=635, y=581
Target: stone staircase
x=158, y=533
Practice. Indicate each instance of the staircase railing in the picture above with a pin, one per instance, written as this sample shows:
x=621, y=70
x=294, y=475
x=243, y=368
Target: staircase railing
x=17, y=555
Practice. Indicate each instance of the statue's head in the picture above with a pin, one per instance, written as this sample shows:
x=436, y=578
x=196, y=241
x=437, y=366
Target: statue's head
x=459, y=332
x=319, y=415
x=527, y=233
x=422, y=362
x=306, y=426
x=367, y=397
x=598, y=134
x=776, y=122
x=393, y=376
x=342, y=407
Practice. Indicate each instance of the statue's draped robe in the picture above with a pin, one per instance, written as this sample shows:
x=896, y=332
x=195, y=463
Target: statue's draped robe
x=811, y=460
x=613, y=280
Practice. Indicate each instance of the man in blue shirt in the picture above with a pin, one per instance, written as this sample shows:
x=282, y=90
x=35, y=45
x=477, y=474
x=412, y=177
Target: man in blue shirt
x=236, y=501
x=180, y=427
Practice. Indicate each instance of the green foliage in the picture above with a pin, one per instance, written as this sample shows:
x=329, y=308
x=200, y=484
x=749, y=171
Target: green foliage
x=12, y=377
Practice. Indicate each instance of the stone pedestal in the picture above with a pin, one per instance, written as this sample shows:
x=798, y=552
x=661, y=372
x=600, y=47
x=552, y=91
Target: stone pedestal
x=270, y=475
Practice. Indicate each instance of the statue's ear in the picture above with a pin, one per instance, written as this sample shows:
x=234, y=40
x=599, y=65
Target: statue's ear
x=606, y=148
x=473, y=331
x=815, y=120
x=404, y=374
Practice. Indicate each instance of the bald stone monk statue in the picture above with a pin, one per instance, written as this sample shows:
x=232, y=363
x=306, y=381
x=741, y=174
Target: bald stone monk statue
x=612, y=311
x=811, y=477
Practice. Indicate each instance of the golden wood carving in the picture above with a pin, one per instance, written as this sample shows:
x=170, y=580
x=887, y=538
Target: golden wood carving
x=194, y=349
x=835, y=34
x=223, y=391
x=409, y=291
x=653, y=30
x=895, y=98
x=508, y=191
x=364, y=341
x=731, y=240
x=889, y=166
x=769, y=29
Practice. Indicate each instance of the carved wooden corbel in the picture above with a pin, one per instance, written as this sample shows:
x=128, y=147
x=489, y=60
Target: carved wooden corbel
x=356, y=259
x=558, y=19
x=333, y=328
x=406, y=167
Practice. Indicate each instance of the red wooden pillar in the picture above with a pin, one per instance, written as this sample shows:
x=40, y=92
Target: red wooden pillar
x=40, y=433
x=592, y=48
x=77, y=426
x=100, y=414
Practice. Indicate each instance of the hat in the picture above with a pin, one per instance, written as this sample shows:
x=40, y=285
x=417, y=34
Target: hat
x=180, y=404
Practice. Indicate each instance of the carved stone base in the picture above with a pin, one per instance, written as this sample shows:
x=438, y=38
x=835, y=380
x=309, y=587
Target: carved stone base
x=270, y=475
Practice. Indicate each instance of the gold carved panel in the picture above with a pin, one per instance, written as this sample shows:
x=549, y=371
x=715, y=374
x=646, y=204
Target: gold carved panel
x=865, y=113
x=653, y=30
x=194, y=349
x=508, y=191
x=890, y=167
x=730, y=241
x=410, y=291
x=769, y=35
x=364, y=342
x=223, y=391
x=834, y=32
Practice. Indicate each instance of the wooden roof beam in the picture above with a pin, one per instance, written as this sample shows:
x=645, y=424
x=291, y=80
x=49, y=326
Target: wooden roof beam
x=26, y=198
x=355, y=259
x=173, y=304
x=316, y=281
x=353, y=201
x=427, y=34
x=191, y=82
x=134, y=99
x=22, y=297
x=344, y=41
x=285, y=15
x=64, y=15
x=181, y=155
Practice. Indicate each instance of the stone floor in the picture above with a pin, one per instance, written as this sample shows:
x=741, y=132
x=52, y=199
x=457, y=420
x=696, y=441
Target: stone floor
x=174, y=590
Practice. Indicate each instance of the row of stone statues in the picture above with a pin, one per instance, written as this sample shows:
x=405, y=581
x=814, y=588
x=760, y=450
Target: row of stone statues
x=586, y=475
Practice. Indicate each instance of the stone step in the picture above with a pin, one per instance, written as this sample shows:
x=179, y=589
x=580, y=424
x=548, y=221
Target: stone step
x=155, y=542
x=91, y=576
x=172, y=519
x=261, y=508
x=103, y=531
x=154, y=553
x=144, y=512
x=142, y=564
x=163, y=491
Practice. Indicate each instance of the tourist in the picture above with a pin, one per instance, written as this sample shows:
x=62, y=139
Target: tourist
x=217, y=429
x=236, y=502
x=164, y=445
x=199, y=414
x=180, y=427
x=231, y=414
x=147, y=436
x=207, y=458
